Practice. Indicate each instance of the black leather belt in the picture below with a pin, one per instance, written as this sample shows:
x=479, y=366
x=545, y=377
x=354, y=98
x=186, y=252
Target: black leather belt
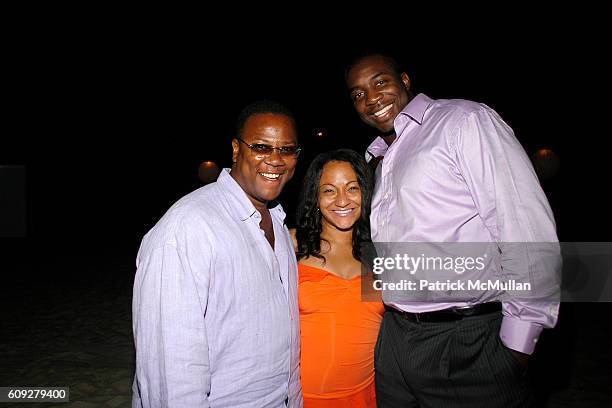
x=449, y=315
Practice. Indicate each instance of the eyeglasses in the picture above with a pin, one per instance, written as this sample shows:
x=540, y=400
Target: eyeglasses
x=265, y=150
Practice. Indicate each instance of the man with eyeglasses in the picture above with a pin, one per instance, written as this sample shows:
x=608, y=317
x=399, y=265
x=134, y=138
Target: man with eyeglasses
x=216, y=321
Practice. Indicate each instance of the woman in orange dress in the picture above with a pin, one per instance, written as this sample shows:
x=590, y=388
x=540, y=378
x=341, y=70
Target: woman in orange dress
x=338, y=329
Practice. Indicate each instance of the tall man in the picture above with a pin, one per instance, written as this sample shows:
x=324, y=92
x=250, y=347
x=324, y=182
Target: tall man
x=451, y=171
x=216, y=321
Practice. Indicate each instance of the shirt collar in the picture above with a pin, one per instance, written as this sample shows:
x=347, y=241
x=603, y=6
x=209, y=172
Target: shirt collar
x=377, y=148
x=239, y=204
x=414, y=110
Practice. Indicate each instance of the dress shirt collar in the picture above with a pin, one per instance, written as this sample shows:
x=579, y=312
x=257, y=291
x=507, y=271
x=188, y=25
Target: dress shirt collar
x=377, y=148
x=415, y=110
x=417, y=107
x=240, y=205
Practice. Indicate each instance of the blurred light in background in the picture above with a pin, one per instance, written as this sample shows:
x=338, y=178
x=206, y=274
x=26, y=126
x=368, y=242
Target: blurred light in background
x=320, y=133
x=546, y=163
x=208, y=172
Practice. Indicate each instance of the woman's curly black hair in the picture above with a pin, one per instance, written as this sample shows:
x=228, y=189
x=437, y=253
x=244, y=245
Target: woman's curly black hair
x=308, y=229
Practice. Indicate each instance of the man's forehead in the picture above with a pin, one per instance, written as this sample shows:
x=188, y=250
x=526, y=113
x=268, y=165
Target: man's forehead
x=269, y=119
x=375, y=62
x=274, y=126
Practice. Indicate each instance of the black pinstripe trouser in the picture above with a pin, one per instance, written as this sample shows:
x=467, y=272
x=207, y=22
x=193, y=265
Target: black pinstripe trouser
x=449, y=364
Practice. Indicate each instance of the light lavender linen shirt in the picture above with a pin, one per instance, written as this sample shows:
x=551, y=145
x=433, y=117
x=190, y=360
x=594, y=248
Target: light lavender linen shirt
x=215, y=314
x=457, y=173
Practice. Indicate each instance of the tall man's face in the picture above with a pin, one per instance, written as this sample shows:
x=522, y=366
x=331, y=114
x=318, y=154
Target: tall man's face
x=378, y=91
x=262, y=175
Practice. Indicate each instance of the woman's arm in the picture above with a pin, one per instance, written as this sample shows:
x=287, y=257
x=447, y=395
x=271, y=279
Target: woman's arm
x=295, y=245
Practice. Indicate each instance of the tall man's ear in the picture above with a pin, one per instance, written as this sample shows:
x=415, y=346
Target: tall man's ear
x=235, y=147
x=405, y=80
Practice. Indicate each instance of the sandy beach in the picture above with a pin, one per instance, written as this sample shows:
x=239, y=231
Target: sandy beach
x=76, y=331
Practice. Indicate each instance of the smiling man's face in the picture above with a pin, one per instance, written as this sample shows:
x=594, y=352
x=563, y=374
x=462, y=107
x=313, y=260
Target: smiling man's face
x=262, y=177
x=378, y=91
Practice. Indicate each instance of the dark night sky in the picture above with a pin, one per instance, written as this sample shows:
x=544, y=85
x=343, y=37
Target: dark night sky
x=112, y=123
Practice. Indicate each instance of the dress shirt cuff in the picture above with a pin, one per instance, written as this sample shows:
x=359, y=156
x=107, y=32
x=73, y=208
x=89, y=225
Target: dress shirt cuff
x=519, y=335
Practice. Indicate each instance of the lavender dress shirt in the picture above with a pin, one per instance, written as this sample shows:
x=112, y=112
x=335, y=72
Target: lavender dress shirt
x=215, y=314
x=457, y=173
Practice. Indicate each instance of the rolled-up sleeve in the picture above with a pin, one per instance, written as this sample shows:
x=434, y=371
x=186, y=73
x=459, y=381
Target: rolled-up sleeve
x=169, y=305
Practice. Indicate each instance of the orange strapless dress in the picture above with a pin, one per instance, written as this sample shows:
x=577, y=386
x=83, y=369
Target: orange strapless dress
x=338, y=333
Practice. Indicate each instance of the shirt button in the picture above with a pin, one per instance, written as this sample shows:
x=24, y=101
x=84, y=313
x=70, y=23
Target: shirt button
x=386, y=195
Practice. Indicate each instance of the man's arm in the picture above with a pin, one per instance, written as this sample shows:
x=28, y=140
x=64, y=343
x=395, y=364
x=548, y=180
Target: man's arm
x=172, y=364
x=514, y=208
